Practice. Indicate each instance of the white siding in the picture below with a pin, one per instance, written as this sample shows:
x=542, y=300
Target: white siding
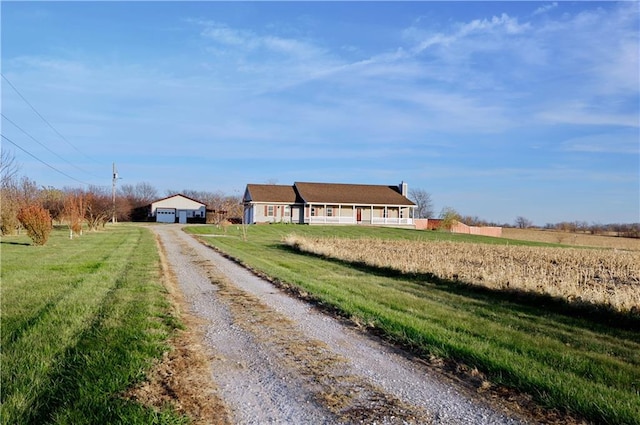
x=181, y=206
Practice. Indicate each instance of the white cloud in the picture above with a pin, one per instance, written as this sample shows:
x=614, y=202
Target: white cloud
x=603, y=143
x=580, y=113
x=545, y=8
x=496, y=24
x=225, y=35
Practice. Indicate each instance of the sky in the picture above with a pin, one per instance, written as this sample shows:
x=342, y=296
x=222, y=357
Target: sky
x=496, y=109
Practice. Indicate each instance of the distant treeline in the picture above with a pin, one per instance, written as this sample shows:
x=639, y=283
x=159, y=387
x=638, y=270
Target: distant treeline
x=626, y=230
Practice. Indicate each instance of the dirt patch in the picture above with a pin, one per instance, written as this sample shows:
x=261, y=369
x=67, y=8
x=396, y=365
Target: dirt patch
x=182, y=379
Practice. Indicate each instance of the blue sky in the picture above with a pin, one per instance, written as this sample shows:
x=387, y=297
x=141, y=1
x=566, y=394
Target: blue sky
x=497, y=109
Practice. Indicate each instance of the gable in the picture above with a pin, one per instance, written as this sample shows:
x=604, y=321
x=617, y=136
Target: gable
x=178, y=202
x=270, y=193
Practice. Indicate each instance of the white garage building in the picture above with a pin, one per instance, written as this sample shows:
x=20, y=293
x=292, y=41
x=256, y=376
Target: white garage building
x=178, y=209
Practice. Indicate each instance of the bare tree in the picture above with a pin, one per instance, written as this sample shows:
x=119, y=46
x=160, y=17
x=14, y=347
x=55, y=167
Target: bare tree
x=424, y=204
x=139, y=195
x=98, y=207
x=146, y=193
x=8, y=166
x=52, y=199
x=523, y=223
x=132, y=200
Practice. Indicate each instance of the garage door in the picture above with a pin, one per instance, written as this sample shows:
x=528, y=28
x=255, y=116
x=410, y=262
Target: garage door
x=166, y=215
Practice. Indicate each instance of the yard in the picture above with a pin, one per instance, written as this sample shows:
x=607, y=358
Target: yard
x=82, y=321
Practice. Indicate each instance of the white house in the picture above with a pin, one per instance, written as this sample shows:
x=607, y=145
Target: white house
x=328, y=203
x=178, y=209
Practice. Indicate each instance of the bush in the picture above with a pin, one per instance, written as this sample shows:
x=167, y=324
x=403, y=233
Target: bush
x=37, y=222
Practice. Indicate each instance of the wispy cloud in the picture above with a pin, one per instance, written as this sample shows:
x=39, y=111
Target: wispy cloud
x=545, y=8
x=613, y=143
x=582, y=114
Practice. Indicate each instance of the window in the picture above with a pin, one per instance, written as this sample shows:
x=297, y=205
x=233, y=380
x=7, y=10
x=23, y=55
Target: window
x=287, y=211
x=270, y=211
x=313, y=211
x=329, y=211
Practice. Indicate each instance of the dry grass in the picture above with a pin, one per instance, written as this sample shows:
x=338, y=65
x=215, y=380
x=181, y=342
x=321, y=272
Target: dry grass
x=602, y=277
x=566, y=238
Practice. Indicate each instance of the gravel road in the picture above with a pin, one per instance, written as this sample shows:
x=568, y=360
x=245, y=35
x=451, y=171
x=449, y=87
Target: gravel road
x=278, y=360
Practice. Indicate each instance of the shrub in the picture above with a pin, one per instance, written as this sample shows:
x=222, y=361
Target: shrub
x=37, y=222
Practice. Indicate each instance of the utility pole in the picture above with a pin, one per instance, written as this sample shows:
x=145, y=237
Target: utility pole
x=113, y=192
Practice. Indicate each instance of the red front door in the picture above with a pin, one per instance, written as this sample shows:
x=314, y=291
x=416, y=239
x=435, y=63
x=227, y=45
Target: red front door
x=358, y=215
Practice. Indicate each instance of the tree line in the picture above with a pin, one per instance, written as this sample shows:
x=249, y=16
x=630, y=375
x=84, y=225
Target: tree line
x=27, y=206
x=425, y=209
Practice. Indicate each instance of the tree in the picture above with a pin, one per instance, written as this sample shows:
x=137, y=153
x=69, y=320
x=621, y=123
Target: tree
x=132, y=200
x=449, y=217
x=8, y=166
x=52, y=199
x=15, y=196
x=424, y=204
x=98, y=207
x=523, y=223
x=74, y=211
x=141, y=194
x=9, y=207
x=37, y=221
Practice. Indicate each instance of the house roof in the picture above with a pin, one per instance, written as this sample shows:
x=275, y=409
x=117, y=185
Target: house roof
x=271, y=193
x=341, y=193
x=176, y=195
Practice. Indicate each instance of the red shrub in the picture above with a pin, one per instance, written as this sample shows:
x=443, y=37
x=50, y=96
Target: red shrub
x=37, y=221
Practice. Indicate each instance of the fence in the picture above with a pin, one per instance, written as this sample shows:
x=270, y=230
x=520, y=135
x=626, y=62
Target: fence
x=434, y=224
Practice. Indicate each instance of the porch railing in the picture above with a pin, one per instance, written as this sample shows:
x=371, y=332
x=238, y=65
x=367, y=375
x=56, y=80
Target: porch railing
x=352, y=220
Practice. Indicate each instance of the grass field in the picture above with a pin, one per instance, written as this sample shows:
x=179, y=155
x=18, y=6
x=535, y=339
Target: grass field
x=82, y=320
x=571, y=360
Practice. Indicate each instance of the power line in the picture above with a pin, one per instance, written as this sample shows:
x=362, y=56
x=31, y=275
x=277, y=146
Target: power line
x=45, y=163
x=44, y=146
x=45, y=120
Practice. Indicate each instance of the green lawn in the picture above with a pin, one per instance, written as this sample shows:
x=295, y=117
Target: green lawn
x=82, y=320
x=585, y=364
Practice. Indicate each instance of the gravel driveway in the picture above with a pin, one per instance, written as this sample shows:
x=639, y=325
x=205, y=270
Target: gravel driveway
x=278, y=360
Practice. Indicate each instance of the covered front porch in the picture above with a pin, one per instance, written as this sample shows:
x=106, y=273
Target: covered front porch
x=380, y=215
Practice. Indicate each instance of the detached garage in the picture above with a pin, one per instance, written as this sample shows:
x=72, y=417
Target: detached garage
x=178, y=209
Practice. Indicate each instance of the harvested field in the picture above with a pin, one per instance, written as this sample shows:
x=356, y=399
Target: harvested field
x=600, y=277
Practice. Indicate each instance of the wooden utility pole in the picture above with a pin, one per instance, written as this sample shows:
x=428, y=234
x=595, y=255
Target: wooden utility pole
x=113, y=192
